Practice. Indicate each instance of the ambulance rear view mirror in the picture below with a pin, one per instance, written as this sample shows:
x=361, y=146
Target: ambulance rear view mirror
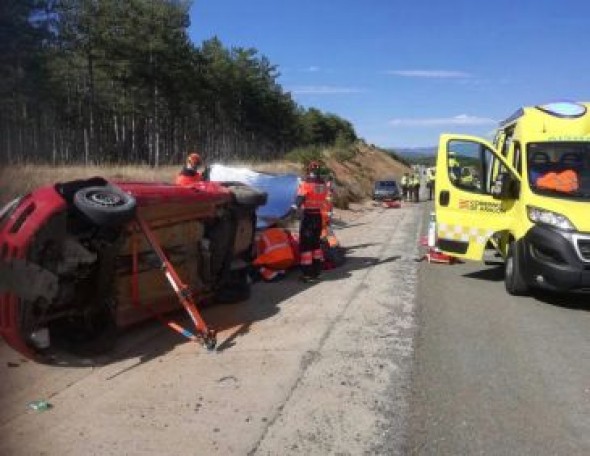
x=505, y=187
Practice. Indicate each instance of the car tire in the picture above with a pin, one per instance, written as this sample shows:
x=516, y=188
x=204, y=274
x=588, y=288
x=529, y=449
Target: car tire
x=105, y=206
x=236, y=289
x=513, y=278
x=245, y=195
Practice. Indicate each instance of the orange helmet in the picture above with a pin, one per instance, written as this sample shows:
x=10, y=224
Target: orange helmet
x=313, y=166
x=193, y=159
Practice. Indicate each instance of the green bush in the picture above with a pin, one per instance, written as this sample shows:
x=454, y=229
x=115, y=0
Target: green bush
x=304, y=154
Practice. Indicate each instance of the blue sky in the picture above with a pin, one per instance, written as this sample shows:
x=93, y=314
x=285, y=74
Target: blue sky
x=405, y=71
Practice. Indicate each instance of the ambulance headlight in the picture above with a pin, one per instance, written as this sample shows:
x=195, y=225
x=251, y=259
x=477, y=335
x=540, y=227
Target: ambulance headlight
x=545, y=217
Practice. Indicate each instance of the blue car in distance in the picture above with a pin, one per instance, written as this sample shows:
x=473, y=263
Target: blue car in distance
x=386, y=190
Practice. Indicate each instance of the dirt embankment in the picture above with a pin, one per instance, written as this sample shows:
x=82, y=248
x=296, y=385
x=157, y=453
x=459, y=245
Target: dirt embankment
x=356, y=176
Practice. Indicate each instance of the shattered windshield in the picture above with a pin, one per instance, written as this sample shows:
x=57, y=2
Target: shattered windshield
x=560, y=168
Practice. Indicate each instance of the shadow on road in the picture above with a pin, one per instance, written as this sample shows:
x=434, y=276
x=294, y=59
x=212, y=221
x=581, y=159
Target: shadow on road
x=352, y=248
x=354, y=264
x=151, y=339
x=341, y=225
x=573, y=301
x=495, y=274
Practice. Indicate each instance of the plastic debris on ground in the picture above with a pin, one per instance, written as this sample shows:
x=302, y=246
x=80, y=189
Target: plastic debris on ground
x=40, y=406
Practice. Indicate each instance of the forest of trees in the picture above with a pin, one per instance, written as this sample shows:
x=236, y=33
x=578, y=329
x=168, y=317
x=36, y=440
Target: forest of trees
x=113, y=81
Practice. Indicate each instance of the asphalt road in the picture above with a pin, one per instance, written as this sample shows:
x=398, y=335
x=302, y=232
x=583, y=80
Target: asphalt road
x=496, y=374
x=300, y=369
x=387, y=355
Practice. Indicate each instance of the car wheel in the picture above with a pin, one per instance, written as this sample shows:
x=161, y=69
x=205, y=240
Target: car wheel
x=105, y=206
x=246, y=195
x=235, y=289
x=513, y=278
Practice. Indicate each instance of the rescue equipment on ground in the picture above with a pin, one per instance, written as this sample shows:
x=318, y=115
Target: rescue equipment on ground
x=391, y=204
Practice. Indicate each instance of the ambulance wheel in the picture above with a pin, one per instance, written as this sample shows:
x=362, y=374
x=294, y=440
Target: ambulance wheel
x=513, y=279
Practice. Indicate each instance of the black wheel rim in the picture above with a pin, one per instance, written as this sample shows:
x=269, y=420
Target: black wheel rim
x=105, y=199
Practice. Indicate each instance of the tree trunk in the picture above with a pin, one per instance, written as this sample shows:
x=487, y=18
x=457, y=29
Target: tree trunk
x=86, y=147
x=133, y=152
x=53, y=150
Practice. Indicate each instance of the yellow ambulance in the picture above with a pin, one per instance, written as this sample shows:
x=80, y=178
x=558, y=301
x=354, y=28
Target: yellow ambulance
x=527, y=197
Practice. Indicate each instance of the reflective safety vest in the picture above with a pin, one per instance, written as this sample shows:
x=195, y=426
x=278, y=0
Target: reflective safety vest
x=274, y=250
x=188, y=177
x=405, y=181
x=315, y=194
x=564, y=181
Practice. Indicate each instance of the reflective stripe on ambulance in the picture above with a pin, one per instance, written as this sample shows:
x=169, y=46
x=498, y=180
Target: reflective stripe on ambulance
x=464, y=233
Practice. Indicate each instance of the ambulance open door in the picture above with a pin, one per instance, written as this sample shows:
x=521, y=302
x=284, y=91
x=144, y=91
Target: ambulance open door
x=476, y=195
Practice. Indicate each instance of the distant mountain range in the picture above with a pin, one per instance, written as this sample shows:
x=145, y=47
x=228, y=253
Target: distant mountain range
x=416, y=155
x=411, y=152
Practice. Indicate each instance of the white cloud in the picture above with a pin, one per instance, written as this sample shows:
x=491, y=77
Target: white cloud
x=324, y=90
x=311, y=69
x=432, y=74
x=460, y=120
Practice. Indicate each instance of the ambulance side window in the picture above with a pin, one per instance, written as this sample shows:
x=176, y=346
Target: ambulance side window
x=470, y=165
x=508, y=134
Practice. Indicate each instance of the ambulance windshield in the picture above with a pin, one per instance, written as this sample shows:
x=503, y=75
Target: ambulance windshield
x=560, y=168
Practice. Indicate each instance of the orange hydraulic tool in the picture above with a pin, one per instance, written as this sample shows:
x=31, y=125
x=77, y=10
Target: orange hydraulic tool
x=203, y=334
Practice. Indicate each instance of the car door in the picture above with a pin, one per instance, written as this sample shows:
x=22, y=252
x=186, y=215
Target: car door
x=476, y=195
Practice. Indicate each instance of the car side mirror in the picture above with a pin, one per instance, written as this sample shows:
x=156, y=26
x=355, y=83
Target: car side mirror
x=505, y=187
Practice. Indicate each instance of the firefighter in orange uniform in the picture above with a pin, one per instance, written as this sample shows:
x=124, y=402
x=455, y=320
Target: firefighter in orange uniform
x=188, y=174
x=274, y=253
x=311, y=198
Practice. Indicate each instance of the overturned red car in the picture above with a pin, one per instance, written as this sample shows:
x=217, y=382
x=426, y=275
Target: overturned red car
x=80, y=259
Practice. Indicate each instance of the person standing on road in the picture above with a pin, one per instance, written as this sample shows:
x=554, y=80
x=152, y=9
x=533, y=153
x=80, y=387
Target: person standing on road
x=189, y=173
x=311, y=198
x=430, y=183
x=416, y=188
x=405, y=183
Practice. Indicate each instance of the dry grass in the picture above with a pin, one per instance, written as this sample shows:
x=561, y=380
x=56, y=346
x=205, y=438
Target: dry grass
x=355, y=176
x=279, y=166
x=20, y=179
